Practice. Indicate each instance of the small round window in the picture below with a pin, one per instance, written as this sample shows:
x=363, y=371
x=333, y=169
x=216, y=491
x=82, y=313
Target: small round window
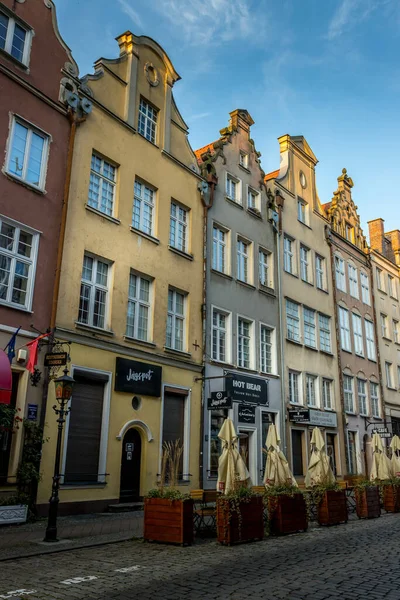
x=303, y=180
x=136, y=402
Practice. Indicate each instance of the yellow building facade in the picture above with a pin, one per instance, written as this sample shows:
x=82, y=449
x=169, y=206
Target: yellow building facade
x=131, y=288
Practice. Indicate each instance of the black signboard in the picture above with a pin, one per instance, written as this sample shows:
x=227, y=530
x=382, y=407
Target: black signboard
x=32, y=412
x=299, y=415
x=219, y=400
x=247, y=414
x=383, y=432
x=136, y=377
x=55, y=359
x=244, y=388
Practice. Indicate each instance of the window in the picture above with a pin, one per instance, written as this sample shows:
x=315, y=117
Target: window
x=94, y=292
x=266, y=337
x=219, y=262
x=398, y=377
x=392, y=286
x=302, y=210
x=324, y=333
x=173, y=425
x=396, y=334
x=292, y=321
x=305, y=263
x=349, y=232
x=264, y=269
x=370, y=337
x=389, y=374
x=143, y=207
x=344, y=329
x=14, y=39
x=358, y=335
x=353, y=281
x=18, y=252
x=327, y=394
x=233, y=189
x=320, y=272
x=340, y=274
x=253, y=199
x=311, y=384
x=176, y=321
x=384, y=326
x=178, y=227
x=294, y=397
x=365, y=294
x=147, y=123
x=353, y=451
x=297, y=452
x=374, y=393
x=243, y=260
x=288, y=255
x=102, y=185
x=27, y=153
x=362, y=397
x=220, y=321
x=244, y=159
x=348, y=394
x=244, y=341
x=217, y=418
x=379, y=279
x=138, y=319
x=309, y=327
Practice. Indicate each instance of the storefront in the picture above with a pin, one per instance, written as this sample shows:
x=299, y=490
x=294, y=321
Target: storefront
x=252, y=402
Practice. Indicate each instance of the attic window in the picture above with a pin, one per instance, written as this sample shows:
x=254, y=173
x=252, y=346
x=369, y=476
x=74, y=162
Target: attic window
x=244, y=159
x=147, y=122
x=14, y=38
x=349, y=233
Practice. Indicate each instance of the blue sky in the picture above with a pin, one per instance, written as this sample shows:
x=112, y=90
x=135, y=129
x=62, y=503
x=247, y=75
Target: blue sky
x=325, y=69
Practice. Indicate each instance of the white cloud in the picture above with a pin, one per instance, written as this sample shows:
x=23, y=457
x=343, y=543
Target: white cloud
x=351, y=12
x=130, y=12
x=198, y=116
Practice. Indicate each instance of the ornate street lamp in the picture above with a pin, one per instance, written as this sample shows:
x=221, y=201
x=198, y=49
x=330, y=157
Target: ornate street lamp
x=63, y=387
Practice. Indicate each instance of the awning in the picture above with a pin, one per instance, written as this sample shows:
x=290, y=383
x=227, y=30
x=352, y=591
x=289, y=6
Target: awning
x=5, y=378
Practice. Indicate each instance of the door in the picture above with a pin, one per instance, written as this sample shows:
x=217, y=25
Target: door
x=330, y=450
x=130, y=467
x=6, y=436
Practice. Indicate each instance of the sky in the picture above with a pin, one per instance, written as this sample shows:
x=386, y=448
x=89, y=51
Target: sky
x=325, y=69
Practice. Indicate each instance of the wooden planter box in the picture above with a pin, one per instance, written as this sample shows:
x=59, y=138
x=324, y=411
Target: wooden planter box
x=368, y=503
x=332, y=509
x=231, y=530
x=391, y=498
x=16, y=513
x=168, y=521
x=287, y=514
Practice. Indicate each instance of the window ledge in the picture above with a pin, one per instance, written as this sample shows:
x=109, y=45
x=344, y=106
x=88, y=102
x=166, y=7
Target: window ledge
x=79, y=486
x=14, y=60
x=247, y=370
x=307, y=282
x=373, y=360
x=225, y=365
x=274, y=375
x=25, y=184
x=254, y=212
x=305, y=224
x=386, y=338
x=322, y=290
x=101, y=214
x=327, y=353
x=149, y=141
x=134, y=340
x=222, y=274
x=294, y=342
x=359, y=355
x=311, y=348
x=92, y=329
x=245, y=169
x=245, y=284
x=267, y=290
x=181, y=353
x=181, y=253
x=382, y=291
x=15, y=307
x=149, y=237
x=394, y=297
x=350, y=412
x=234, y=202
x=347, y=351
x=292, y=274
x=390, y=387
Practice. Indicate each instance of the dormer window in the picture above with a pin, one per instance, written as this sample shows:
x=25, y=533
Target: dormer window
x=349, y=233
x=244, y=159
x=14, y=38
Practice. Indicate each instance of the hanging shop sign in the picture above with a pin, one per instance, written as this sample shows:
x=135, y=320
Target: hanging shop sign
x=136, y=377
x=323, y=418
x=55, y=359
x=32, y=412
x=383, y=432
x=243, y=388
x=219, y=400
x=299, y=415
x=247, y=414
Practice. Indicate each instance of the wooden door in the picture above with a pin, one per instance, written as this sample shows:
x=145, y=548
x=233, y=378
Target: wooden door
x=130, y=467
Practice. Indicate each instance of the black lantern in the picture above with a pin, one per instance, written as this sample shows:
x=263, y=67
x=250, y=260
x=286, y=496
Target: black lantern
x=64, y=387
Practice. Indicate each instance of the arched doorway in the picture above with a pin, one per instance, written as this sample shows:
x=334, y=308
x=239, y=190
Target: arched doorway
x=130, y=466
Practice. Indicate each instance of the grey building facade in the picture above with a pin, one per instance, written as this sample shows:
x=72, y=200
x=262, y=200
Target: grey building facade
x=242, y=351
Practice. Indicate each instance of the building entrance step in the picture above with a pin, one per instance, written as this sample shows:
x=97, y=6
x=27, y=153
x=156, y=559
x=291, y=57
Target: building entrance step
x=125, y=507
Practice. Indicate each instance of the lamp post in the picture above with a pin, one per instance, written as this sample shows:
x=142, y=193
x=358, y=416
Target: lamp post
x=63, y=387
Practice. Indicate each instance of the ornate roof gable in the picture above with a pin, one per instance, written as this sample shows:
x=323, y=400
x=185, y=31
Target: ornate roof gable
x=342, y=213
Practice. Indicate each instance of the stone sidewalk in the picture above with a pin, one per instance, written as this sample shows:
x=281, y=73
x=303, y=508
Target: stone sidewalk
x=74, y=532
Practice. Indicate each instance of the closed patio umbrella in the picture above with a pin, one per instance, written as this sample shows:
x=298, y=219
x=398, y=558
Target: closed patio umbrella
x=395, y=460
x=232, y=470
x=381, y=467
x=277, y=472
x=319, y=470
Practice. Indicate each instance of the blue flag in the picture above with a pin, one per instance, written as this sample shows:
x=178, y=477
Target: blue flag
x=11, y=346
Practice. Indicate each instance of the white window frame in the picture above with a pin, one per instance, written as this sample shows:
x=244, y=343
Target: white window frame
x=362, y=397
x=392, y=289
x=140, y=303
x=220, y=248
x=177, y=317
x=375, y=404
x=93, y=285
x=324, y=333
x=310, y=327
x=243, y=159
x=379, y=279
x=305, y=264
x=250, y=191
x=10, y=38
x=302, y=210
x=340, y=273
x=251, y=337
x=272, y=345
x=396, y=331
x=358, y=336
x=265, y=272
x=103, y=179
x=365, y=291
x=311, y=381
x=237, y=198
x=344, y=324
x=243, y=260
x=293, y=321
x=353, y=281
x=14, y=256
x=147, y=118
x=389, y=375
x=294, y=387
x=384, y=325
x=142, y=204
x=327, y=384
x=14, y=119
x=348, y=390
x=370, y=338
x=179, y=223
x=228, y=334
x=320, y=268
x=289, y=255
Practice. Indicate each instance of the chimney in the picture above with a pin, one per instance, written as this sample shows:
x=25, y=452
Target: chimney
x=394, y=238
x=377, y=235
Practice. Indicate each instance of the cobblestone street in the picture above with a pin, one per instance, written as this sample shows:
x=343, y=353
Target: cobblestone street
x=354, y=561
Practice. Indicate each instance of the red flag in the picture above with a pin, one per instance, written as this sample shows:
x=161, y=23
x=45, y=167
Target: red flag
x=5, y=379
x=30, y=365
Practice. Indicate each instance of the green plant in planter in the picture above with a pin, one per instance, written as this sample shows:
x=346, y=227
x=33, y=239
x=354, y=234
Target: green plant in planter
x=313, y=496
x=230, y=504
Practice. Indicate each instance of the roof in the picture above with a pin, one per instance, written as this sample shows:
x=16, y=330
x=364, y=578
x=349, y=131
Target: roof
x=326, y=206
x=206, y=148
x=272, y=175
